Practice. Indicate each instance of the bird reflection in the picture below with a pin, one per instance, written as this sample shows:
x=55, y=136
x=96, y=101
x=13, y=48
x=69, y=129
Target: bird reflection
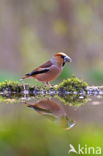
x=50, y=107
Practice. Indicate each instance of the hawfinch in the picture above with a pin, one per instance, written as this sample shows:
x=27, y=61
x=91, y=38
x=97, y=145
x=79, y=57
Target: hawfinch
x=50, y=70
x=49, y=106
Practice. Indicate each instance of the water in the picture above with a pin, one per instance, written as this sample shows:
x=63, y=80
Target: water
x=47, y=122
x=65, y=109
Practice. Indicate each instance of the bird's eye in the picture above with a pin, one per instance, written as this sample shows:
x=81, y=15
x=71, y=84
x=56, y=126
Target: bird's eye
x=62, y=56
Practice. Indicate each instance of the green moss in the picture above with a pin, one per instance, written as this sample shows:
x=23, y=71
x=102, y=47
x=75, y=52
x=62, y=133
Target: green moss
x=13, y=86
x=5, y=83
x=8, y=100
x=73, y=100
x=77, y=91
x=72, y=84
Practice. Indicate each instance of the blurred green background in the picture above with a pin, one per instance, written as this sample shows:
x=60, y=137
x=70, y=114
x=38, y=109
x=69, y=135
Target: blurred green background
x=23, y=132
x=31, y=31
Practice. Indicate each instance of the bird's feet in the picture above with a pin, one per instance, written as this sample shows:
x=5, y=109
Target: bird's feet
x=48, y=84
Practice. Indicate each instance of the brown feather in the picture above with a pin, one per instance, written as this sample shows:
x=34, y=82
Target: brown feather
x=40, y=68
x=45, y=65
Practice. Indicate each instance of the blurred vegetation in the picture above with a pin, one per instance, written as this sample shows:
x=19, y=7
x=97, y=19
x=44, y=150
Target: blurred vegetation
x=30, y=33
x=31, y=134
x=90, y=136
x=8, y=76
x=24, y=132
x=96, y=76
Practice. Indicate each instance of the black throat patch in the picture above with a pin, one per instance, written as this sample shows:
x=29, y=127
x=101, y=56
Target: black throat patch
x=63, y=63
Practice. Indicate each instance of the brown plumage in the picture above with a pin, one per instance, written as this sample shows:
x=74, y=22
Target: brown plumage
x=50, y=70
x=48, y=106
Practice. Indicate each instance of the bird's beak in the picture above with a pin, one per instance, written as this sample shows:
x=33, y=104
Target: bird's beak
x=67, y=59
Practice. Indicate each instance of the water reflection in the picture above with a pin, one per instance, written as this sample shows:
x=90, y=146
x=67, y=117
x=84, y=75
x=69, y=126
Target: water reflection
x=53, y=109
x=64, y=109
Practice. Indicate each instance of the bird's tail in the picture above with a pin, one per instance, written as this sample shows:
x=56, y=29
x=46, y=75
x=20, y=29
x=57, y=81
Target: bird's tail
x=25, y=77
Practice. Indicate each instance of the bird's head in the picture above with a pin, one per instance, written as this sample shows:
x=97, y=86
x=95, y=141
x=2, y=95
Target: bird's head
x=62, y=58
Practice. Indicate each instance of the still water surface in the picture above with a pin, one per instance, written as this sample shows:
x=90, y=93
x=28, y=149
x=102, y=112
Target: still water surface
x=65, y=115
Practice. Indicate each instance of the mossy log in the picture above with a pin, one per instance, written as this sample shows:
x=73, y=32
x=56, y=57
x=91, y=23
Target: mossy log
x=72, y=85
x=72, y=90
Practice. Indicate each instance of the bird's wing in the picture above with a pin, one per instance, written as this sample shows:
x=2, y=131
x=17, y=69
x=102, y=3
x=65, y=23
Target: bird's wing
x=41, y=69
x=46, y=65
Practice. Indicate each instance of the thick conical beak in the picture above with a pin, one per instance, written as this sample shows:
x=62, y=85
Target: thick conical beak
x=67, y=59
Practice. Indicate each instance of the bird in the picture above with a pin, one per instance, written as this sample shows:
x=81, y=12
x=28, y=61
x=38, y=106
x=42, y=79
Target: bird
x=50, y=70
x=48, y=106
